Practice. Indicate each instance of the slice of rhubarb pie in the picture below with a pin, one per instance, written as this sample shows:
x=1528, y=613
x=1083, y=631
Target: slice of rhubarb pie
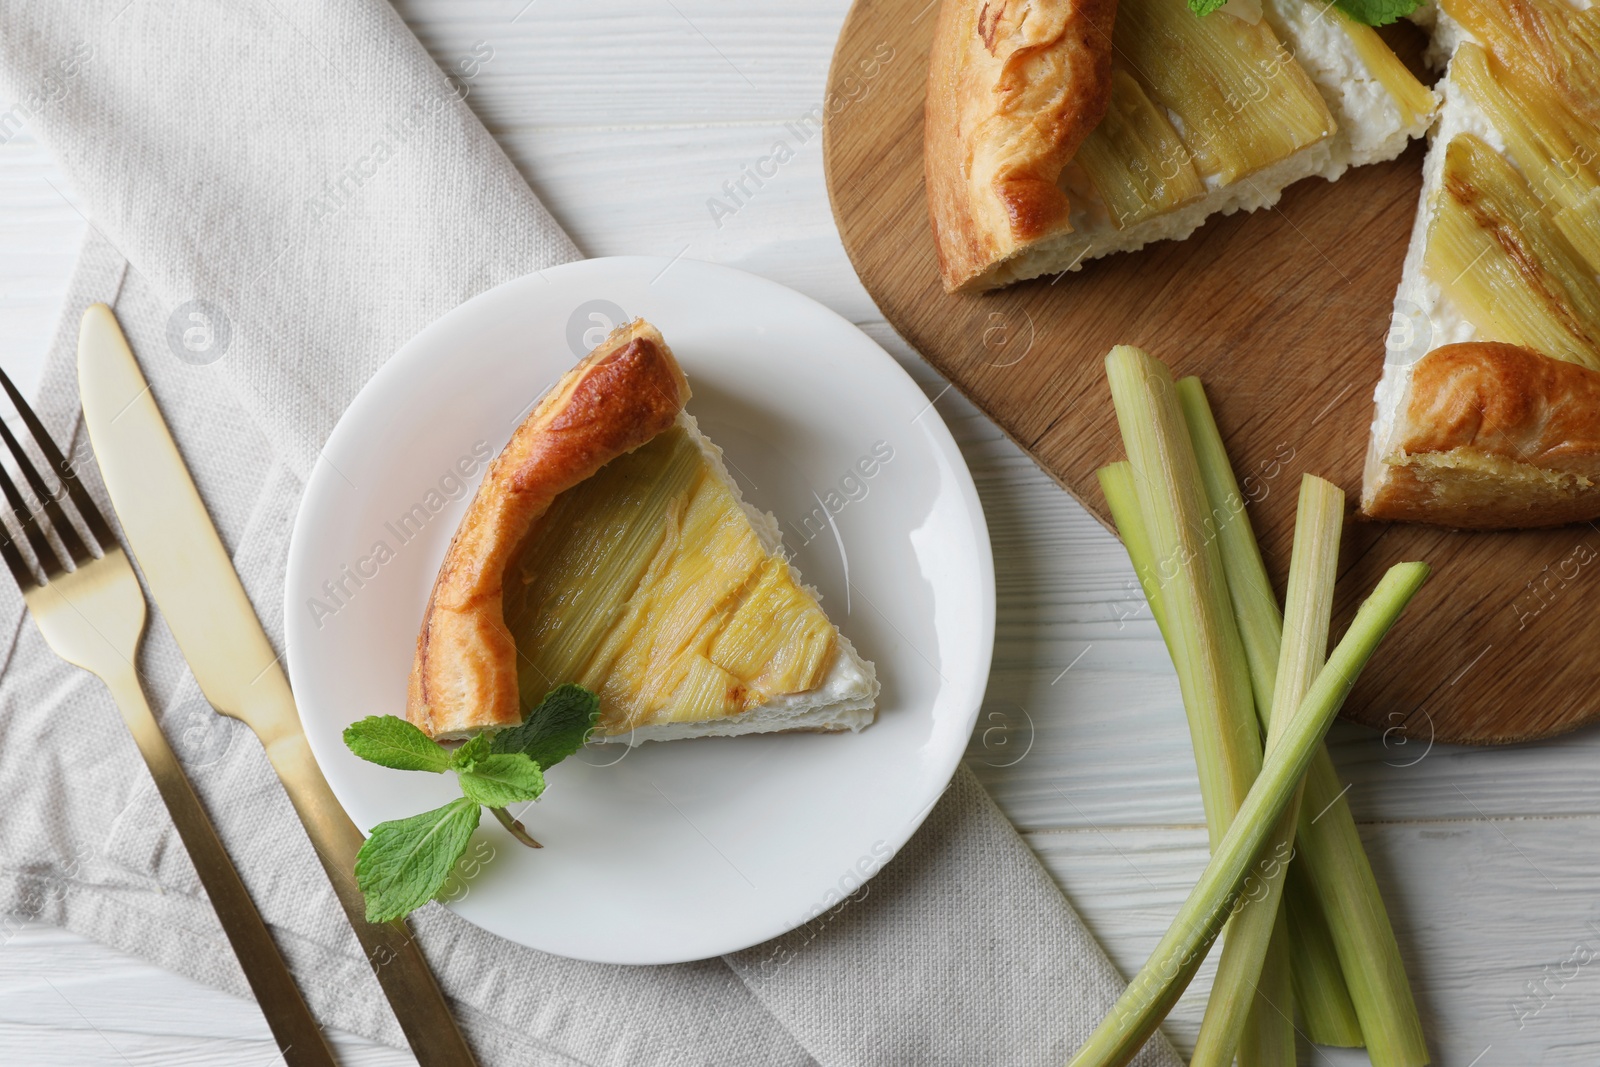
x=1059, y=131
x=1488, y=414
x=608, y=546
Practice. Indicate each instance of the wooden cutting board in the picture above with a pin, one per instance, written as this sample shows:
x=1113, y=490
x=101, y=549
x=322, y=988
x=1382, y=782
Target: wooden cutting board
x=1283, y=314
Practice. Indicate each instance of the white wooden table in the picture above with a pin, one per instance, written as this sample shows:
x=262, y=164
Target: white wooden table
x=627, y=117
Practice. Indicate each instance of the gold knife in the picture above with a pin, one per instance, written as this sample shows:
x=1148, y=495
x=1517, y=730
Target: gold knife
x=195, y=586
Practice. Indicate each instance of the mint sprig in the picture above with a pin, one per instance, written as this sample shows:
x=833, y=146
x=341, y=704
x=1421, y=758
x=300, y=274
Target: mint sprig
x=389, y=741
x=1377, y=12
x=496, y=781
x=556, y=730
x=405, y=862
x=1368, y=12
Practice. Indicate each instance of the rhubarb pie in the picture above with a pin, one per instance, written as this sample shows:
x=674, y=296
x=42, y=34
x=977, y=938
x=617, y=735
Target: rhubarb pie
x=608, y=546
x=1058, y=131
x=1488, y=414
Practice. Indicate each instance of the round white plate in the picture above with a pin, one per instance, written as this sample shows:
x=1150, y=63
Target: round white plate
x=680, y=850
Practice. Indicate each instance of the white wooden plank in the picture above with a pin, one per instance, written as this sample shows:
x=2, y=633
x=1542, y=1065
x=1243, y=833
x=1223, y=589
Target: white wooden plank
x=645, y=191
x=623, y=64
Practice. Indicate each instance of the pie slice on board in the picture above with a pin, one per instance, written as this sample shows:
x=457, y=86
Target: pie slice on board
x=1059, y=131
x=1488, y=416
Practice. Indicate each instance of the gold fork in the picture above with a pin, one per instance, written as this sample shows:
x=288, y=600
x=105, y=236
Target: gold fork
x=92, y=614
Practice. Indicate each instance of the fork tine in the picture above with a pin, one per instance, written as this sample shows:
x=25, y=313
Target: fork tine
x=52, y=506
x=64, y=470
x=49, y=562
x=26, y=580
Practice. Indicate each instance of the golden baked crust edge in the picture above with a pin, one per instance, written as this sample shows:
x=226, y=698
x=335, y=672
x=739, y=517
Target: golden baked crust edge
x=1491, y=436
x=1014, y=86
x=464, y=675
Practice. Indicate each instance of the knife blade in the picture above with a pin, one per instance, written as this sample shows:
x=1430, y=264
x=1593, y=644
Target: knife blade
x=193, y=581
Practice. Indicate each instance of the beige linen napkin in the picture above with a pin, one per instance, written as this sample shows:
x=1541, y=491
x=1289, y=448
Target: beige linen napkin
x=281, y=193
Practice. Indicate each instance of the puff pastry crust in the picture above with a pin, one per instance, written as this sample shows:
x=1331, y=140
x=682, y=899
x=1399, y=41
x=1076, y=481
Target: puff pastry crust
x=628, y=390
x=1014, y=86
x=1491, y=436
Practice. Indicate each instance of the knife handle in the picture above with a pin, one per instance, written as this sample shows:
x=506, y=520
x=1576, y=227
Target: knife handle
x=294, y=1028
x=391, y=948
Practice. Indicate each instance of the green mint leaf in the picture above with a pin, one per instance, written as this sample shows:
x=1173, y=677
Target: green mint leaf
x=393, y=742
x=406, y=861
x=555, y=729
x=507, y=778
x=471, y=751
x=1377, y=12
x=1205, y=7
